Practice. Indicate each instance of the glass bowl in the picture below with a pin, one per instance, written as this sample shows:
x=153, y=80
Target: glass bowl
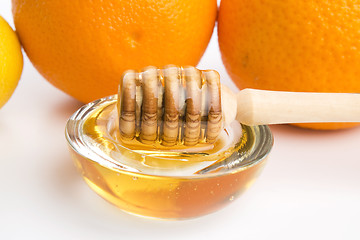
x=149, y=185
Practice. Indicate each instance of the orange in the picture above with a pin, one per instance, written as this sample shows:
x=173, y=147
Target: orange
x=310, y=46
x=83, y=47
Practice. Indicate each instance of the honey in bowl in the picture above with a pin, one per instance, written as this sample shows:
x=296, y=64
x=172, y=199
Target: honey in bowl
x=171, y=183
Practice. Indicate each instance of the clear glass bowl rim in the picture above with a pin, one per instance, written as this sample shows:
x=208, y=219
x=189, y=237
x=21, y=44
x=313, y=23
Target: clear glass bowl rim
x=259, y=153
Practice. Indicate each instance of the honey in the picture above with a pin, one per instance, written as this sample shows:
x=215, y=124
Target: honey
x=159, y=181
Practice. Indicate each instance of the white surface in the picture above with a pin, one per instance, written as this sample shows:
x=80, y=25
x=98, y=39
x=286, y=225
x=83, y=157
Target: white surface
x=310, y=188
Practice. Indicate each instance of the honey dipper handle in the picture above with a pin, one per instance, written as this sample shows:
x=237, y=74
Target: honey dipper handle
x=258, y=107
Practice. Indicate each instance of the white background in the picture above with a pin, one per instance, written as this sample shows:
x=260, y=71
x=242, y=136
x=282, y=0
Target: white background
x=310, y=188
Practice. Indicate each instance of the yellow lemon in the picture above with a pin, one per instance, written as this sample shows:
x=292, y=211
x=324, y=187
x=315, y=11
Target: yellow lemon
x=11, y=61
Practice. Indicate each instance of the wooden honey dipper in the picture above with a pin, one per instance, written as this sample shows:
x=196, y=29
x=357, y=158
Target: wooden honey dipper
x=183, y=104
